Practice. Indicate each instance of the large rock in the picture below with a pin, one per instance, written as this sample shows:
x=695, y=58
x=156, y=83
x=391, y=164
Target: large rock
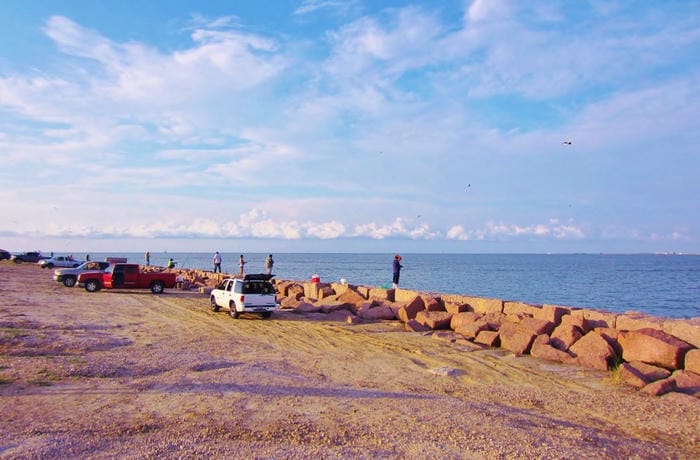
x=553, y=313
x=434, y=319
x=574, y=320
x=456, y=308
x=596, y=318
x=305, y=307
x=381, y=293
x=520, y=308
x=484, y=305
x=692, y=361
x=687, y=382
x=488, y=338
x=543, y=350
x=653, y=347
x=295, y=291
x=515, y=339
x=593, y=351
x=660, y=387
x=611, y=336
x=411, y=309
x=688, y=330
x=311, y=290
x=495, y=320
x=414, y=326
x=341, y=315
x=632, y=321
x=639, y=374
x=471, y=330
x=564, y=336
x=537, y=326
x=326, y=292
x=433, y=304
x=377, y=313
x=405, y=295
x=351, y=296
x=463, y=318
x=328, y=307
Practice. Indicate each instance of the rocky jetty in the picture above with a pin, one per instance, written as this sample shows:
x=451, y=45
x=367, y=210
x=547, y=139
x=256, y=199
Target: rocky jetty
x=656, y=355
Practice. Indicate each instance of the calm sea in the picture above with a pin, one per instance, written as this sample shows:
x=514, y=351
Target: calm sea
x=661, y=285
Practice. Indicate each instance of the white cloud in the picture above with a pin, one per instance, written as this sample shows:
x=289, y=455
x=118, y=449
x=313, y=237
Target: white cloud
x=313, y=6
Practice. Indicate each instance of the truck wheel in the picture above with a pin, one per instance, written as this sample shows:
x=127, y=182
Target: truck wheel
x=18, y=261
x=69, y=281
x=92, y=286
x=214, y=306
x=266, y=314
x=49, y=265
x=232, y=307
x=157, y=287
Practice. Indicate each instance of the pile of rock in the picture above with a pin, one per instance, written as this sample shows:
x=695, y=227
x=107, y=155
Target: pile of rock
x=654, y=354
x=201, y=280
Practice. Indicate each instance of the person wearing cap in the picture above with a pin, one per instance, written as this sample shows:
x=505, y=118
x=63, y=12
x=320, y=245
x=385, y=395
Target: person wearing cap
x=397, y=271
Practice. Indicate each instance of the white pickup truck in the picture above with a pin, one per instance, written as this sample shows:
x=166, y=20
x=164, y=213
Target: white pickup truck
x=252, y=294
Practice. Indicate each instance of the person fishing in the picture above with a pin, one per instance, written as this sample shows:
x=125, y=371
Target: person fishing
x=397, y=271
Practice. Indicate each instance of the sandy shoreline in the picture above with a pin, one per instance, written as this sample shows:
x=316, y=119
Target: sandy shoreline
x=129, y=374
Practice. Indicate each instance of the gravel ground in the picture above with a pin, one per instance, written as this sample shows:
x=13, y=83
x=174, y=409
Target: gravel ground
x=132, y=375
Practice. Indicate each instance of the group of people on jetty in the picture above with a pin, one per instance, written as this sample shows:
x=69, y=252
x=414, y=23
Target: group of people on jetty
x=269, y=263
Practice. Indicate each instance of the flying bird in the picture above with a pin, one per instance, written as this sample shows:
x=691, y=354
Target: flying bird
x=566, y=143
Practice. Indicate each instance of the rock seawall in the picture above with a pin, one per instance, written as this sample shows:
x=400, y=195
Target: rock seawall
x=656, y=355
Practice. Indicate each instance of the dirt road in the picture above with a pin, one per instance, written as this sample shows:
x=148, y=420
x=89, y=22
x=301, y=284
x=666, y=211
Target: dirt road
x=134, y=375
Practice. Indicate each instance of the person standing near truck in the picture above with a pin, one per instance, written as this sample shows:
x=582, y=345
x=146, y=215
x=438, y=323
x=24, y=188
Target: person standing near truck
x=147, y=258
x=241, y=263
x=217, y=262
x=268, y=264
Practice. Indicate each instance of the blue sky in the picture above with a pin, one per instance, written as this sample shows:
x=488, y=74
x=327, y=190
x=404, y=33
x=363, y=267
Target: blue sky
x=350, y=126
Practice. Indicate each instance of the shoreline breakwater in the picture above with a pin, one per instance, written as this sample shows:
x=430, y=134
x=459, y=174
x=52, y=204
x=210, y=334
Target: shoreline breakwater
x=654, y=354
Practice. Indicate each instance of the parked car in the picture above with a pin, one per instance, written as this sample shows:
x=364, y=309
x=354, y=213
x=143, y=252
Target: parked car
x=252, y=294
x=69, y=276
x=59, y=261
x=32, y=257
x=5, y=255
x=127, y=276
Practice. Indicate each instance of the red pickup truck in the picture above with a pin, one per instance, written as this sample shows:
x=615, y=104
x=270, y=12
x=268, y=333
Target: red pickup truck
x=127, y=276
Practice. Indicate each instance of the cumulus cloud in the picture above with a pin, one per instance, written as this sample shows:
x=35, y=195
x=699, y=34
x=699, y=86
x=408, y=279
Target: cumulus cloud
x=498, y=230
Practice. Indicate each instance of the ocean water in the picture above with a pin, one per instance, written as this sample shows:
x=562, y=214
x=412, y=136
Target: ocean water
x=661, y=285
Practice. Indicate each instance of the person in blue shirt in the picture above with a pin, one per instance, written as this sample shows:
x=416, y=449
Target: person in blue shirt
x=397, y=271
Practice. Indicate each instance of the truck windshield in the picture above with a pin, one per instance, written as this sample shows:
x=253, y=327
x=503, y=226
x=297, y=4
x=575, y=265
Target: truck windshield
x=258, y=287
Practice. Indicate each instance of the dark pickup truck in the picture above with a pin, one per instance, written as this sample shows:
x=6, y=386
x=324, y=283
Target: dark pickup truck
x=126, y=276
x=31, y=257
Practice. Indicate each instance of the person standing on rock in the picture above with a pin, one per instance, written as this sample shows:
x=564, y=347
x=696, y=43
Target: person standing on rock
x=241, y=263
x=217, y=262
x=147, y=258
x=397, y=271
x=268, y=264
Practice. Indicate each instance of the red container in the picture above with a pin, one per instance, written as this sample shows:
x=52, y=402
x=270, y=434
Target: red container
x=315, y=279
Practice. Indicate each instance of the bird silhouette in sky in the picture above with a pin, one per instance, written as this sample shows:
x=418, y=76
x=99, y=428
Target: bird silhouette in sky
x=566, y=143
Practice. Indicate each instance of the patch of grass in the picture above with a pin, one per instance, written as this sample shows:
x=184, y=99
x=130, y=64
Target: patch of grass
x=11, y=332
x=45, y=377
